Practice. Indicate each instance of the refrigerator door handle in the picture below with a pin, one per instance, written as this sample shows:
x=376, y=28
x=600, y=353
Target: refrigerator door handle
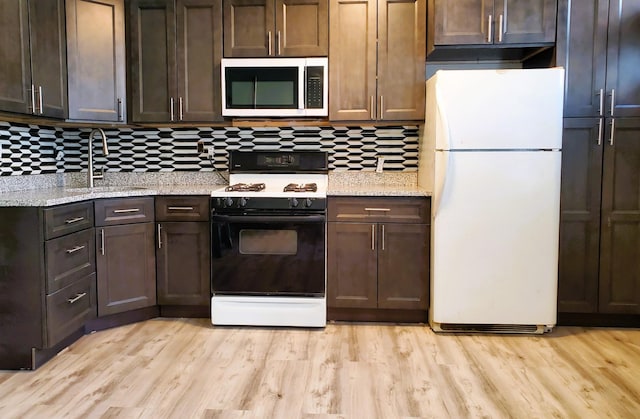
x=441, y=177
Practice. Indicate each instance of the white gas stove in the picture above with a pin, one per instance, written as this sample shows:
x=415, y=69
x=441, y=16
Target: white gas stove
x=269, y=241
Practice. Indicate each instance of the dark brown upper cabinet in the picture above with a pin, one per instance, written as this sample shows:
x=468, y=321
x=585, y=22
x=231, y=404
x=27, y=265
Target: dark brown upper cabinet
x=175, y=51
x=96, y=60
x=483, y=22
x=272, y=28
x=598, y=44
x=377, y=72
x=34, y=60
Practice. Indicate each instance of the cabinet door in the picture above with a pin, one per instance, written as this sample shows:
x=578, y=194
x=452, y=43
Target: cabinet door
x=403, y=266
x=623, y=57
x=49, y=57
x=401, y=59
x=15, y=83
x=620, y=243
x=580, y=215
x=302, y=28
x=199, y=49
x=581, y=50
x=96, y=59
x=153, y=60
x=183, y=263
x=126, y=268
x=462, y=22
x=351, y=262
x=249, y=28
x=352, y=67
x=525, y=21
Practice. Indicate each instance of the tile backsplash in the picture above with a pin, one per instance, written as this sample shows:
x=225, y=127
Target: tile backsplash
x=37, y=149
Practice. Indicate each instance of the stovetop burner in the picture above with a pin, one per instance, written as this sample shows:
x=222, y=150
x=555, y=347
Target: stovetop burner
x=303, y=187
x=244, y=187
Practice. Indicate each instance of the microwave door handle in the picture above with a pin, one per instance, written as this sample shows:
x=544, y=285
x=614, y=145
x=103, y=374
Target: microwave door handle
x=255, y=91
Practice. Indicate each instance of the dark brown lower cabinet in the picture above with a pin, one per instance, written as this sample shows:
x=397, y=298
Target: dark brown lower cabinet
x=47, y=287
x=599, y=267
x=125, y=259
x=379, y=265
x=183, y=264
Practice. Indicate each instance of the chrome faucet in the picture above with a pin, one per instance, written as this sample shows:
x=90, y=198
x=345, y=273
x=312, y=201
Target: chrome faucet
x=105, y=151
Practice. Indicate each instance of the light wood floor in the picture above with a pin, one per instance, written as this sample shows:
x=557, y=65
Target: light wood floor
x=179, y=368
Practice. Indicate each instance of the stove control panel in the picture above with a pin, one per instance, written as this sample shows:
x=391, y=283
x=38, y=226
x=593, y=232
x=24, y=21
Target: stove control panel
x=265, y=203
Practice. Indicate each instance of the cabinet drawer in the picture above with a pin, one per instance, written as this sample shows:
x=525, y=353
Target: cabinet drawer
x=124, y=211
x=182, y=208
x=384, y=209
x=66, y=219
x=69, y=308
x=70, y=258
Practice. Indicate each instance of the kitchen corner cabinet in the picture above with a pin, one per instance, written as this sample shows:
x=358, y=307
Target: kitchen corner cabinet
x=96, y=60
x=34, y=60
x=175, y=51
x=125, y=254
x=599, y=267
x=270, y=28
x=378, y=71
x=378, y=253
x=492, y=22
x=598, y=44
x=47, y=282
x=183, y=249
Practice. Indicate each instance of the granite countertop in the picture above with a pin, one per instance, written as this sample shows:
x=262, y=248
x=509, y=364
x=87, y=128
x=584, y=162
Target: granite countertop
x=71, y=188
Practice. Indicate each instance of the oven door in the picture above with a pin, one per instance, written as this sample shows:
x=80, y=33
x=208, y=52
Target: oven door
x=281, y=255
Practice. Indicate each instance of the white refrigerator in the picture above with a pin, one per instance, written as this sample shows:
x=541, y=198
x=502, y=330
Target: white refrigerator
x=492, y=152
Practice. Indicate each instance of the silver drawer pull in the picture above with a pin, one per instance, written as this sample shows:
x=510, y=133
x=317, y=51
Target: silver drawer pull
x=126, y=211
x=75, y=249
x=76, y=298
x=73, y=220
x=378, y=209
x=180, y=208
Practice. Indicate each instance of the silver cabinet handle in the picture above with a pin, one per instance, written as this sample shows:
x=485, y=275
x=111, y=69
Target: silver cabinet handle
x=159, y=236
x=378, y=209
x=40, y=99
x=33, y=99
x=180, y=208
x=613, y=131
x=381, y=110
x=500, y=30
x=269, y=41
x=278, y=42
x=180, y=113
x=601, y=109
x=73, y=220
x=373, y=237
x=74, y=249
x=126, y=211
x=120, y=116
x=76, y=298
x=613, y=100
x=600, y=132
x=102, y=241
x=382, y=236
x=371, y=112
x=171, y=109
x=489, y=29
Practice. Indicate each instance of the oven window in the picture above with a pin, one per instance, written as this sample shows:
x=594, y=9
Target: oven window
x=268, y=242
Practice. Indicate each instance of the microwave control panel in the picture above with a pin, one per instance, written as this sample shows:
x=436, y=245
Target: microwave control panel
x=314, y=87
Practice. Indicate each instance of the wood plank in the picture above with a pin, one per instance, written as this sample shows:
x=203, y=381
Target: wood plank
x=188, y=368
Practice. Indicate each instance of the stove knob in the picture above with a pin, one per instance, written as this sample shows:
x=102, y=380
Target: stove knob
x=228, y=202
x=307, y=202
x=242, y=202
x=293, y=202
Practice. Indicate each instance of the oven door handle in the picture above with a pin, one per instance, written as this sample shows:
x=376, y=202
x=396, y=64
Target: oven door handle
x=299, y=219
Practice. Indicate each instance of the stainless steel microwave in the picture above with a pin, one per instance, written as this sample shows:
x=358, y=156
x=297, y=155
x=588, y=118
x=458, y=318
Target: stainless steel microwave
x=274, y=87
